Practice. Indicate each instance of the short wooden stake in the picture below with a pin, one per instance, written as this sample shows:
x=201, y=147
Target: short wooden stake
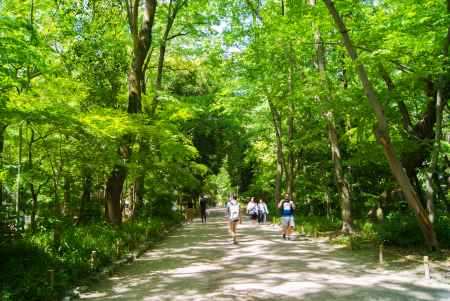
x=315, y=232
x=426, y=264
x=380, y=254
x=51, y=278
x=303, y=230
x=93, y=258
x=350, y=242
x=118, y=248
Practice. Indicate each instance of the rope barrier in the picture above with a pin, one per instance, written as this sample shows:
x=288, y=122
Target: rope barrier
x=427, y=263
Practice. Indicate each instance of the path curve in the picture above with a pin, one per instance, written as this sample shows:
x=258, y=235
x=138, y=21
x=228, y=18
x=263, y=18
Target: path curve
x=198, y=262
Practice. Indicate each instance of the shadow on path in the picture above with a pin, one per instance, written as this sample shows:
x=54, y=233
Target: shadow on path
x=198, y=262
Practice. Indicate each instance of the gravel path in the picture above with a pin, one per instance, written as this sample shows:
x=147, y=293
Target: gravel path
x=198, y=262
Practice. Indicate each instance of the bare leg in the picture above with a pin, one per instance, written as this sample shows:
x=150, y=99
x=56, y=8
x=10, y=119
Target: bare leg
x=233, y=231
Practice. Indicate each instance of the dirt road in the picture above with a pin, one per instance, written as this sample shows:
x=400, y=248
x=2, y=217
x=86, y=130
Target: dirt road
x=198, y=262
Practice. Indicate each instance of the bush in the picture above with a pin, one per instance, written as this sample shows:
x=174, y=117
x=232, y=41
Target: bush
x=442, y=228
x=401, y=230
x=25, y=262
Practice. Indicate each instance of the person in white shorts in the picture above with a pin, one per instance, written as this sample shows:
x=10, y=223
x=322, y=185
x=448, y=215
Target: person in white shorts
x=287, y=214
x=233, y=212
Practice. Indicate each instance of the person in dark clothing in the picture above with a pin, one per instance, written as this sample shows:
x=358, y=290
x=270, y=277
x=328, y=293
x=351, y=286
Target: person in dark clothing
x=189, y=211
x=203, y=201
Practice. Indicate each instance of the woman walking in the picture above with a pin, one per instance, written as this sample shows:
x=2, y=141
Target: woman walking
x=262, y=212
x=233, y=214
x=252, y=210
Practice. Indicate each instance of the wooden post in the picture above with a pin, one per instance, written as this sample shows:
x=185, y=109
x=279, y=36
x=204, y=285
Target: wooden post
x=426, y=264
x=315, y=232
x=93, y=257
x=118, y=247
x=303, y=230
x=51, y=278
x=380, y=254
x=350, y=242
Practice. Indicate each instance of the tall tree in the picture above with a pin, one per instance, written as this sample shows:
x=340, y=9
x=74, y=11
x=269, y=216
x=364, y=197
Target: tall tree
x=341, y=181
x=141, y=41
x=382, y=132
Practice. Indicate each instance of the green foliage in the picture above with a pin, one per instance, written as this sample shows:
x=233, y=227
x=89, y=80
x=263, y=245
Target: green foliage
x=25, y=262
x=400, y=229
x=64, y=124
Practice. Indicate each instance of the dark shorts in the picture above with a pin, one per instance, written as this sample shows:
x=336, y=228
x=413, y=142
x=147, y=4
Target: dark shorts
x=254, y=215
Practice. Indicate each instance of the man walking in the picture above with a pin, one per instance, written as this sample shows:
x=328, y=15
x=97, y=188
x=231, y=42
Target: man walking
x=203, y=201
x=287, y=214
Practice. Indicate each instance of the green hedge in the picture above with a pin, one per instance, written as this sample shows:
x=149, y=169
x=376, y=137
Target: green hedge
x=25, y=262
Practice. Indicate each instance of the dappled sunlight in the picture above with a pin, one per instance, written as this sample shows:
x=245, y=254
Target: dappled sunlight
x=199, y=262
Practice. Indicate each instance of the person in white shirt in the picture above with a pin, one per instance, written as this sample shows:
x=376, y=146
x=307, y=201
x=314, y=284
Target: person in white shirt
x=262, y=212
x=233, y=213
x=252, y=209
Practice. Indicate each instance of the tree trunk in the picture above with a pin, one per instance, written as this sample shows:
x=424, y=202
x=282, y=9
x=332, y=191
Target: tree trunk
x=2, y=144
x=383, y=134
x=67, y=195
x=159, y=74
x=114, y=187
x=341, y=181
x=173, y=9
x=431, y=185
x=34, y=193
x=142, y=40
x=134, y=89
x=290, y=175
x=86, y=196
x=139, y=195
x=19, y=175
x=34, y=208
x=281, y=165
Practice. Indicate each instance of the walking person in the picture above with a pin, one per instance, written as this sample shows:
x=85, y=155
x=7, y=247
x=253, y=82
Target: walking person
x=263, y=211
x=233, y=213
x=287, y=214
x=190, y=211
x=203, y=201
x=252, y=210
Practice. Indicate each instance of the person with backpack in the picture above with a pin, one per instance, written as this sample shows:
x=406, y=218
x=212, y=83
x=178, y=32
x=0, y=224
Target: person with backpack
x=233, y=213
x=252, y=210
x=287, y=214
x=203, y=201
x=262, y=212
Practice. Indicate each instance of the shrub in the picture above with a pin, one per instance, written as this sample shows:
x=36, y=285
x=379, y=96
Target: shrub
x=400, y=229
x=25, y=262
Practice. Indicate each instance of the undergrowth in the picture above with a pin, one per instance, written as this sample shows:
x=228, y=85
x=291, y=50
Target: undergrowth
x=25, y=262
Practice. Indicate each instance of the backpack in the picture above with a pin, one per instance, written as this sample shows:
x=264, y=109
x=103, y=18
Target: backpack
x=234, y=211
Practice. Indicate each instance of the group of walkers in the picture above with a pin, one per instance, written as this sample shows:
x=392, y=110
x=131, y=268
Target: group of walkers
x=259, y=211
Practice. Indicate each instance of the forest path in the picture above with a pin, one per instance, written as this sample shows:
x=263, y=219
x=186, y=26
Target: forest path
x=198, y=262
